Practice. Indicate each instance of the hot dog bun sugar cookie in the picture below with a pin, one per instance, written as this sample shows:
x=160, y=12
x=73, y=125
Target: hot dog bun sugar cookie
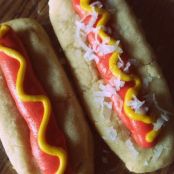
x=42, y=127
x=125, y=92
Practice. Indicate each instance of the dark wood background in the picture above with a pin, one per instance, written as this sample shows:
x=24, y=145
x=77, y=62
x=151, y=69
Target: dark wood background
x=157, y=20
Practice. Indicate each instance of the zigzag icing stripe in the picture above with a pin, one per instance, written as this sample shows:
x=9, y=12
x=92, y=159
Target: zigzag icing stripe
x=43, y=145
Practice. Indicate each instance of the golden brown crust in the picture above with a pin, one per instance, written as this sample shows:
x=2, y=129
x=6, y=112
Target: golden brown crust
x=65, y=106
x=136, y=159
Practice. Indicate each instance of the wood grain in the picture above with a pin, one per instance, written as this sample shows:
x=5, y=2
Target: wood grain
x=156, y=18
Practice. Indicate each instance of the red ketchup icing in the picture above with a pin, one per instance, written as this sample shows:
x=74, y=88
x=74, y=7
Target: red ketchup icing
x=32, y=112
x=138, y=129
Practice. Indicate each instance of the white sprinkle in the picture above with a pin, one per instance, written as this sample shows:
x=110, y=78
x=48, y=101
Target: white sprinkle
x=104, y=48
x=106, y=91
x=81, y=38
x=118, y=104
x=120, y=63
x=90, y=55
x=101, y=48
x=132, y=149
x=158, y=124
x=117, y=83
x=126, y=68
x=93, y=20
x=137, y=105
x=96, y=31
x=165, y=117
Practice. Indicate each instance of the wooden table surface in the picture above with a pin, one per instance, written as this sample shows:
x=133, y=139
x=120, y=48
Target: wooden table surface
x=157, y=20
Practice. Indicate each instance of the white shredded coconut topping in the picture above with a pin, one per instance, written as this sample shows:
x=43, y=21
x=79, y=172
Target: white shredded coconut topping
x=81, y=35
x=90, y=55
x=127, y=66
x=165, y=117
x=106, y=91
x=104, y=49
x=96, y=41
x=117, y=83
x=101, y=48
x=131, y=147
x=137, y=105
x=92, y=21
x=120, y=63
x=158, y=124
x=124, y=66
x=118, y=104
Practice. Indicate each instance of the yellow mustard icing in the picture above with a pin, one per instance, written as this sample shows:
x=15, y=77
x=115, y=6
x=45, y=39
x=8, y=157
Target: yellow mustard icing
x=151, y=135
x=131, y=92
x=51, y=150
x=3, y=30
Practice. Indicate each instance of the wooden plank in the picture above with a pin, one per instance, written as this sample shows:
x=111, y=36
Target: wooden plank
x=156, y=17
